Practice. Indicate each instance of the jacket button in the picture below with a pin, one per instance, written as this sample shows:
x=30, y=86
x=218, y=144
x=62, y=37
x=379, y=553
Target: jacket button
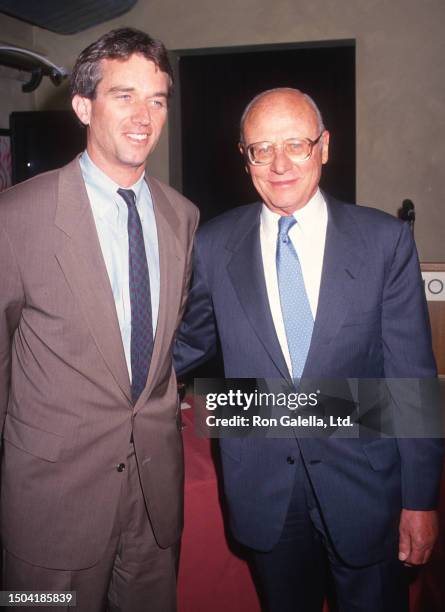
x=120, y=467
x=290, y=460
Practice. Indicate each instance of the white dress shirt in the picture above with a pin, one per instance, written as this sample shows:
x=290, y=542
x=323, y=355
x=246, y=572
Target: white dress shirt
x=110, y=214
x=308, y=237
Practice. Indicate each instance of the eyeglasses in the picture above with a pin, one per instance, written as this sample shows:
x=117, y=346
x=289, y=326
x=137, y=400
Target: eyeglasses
x=296, y=149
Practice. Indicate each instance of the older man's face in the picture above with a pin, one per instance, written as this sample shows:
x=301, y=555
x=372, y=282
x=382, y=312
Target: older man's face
x=283, y=185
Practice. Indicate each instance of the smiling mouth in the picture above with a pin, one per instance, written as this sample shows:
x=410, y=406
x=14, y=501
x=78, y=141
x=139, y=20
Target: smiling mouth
x=137, y=137
x=283, y=184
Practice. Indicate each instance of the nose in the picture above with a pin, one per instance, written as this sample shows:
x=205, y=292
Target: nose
x=142, y=115
x=280, y=163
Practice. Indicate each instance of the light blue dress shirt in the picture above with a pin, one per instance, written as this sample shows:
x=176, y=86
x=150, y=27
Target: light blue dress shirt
x=110, y=214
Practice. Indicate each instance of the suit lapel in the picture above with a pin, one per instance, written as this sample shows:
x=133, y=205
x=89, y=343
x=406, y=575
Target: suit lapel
x=341, y=265
x=80, y=257
x=170, y=256
x=245, y=269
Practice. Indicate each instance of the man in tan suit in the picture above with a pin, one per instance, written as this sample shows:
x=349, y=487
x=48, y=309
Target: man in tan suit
x=94, y=271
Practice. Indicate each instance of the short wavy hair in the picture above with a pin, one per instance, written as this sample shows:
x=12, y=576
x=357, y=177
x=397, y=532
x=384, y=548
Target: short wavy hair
x=117, y=44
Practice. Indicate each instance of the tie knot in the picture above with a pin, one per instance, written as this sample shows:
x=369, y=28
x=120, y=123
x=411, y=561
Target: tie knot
x=284, y=225
x=128, y=196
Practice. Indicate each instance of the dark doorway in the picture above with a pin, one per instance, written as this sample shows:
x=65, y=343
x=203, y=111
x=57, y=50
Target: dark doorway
x=213, y=86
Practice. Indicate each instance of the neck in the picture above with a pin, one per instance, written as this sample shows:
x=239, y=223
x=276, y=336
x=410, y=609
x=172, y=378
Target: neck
x=123, y=175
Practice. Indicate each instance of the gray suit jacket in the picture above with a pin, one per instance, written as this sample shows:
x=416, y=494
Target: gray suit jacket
x=64, y=387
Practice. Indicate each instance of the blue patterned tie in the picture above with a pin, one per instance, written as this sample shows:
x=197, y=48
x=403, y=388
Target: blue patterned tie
x=141, y=317
x=295, y=307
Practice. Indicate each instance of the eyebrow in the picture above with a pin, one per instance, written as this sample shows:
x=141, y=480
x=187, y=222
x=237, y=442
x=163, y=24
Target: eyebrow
x=118, y=89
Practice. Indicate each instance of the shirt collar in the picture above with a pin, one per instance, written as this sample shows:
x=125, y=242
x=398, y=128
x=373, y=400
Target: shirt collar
x=308, y=217
x=97, y=179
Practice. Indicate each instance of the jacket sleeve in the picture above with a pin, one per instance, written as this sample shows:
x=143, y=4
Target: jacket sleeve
x=188, y=273
x=410, y=372
x=11, y=304
x=197, y=337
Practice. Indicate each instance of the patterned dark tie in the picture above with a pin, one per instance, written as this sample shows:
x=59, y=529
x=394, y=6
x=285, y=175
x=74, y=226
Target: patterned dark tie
x=141, y=316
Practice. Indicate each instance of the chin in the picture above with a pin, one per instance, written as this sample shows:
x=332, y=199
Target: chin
x=135, y=158
x=133, y=161
x=286, y=207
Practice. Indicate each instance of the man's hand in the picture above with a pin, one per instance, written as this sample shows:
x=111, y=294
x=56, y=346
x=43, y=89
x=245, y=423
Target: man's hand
x=418, y=531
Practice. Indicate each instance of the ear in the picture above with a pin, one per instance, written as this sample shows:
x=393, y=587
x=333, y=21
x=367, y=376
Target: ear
x=82, y=108
x=325, y=147
x=242, y=150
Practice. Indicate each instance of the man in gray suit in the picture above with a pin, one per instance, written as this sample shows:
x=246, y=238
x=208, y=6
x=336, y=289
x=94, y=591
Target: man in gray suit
x=95, y=266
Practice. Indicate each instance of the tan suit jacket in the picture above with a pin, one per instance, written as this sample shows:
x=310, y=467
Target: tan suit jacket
x=64, y=387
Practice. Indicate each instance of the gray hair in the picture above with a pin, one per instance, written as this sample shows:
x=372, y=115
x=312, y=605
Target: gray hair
x=263, y=94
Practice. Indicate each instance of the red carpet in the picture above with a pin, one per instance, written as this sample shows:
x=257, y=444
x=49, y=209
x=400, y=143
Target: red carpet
x=213, y=579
